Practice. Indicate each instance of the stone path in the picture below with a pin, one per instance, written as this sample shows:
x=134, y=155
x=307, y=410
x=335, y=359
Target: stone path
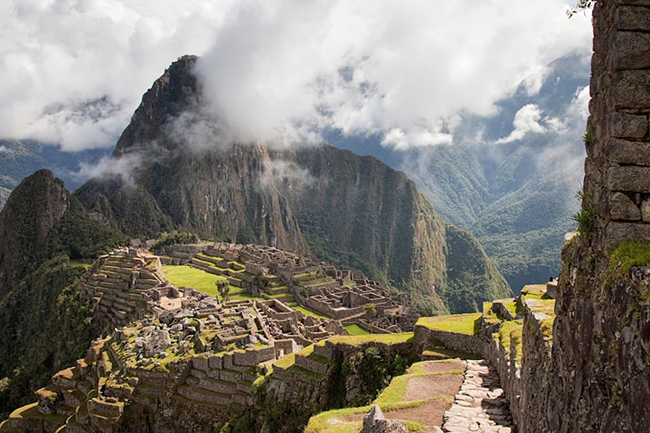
x=480, y=405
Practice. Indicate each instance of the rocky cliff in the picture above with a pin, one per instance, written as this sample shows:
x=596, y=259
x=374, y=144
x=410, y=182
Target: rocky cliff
x=36, y=206
x=355, y=211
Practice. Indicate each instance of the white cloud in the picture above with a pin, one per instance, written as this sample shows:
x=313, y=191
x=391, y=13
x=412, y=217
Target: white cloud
x=276, y=68
x=284, y=173
x=526, y=121
x=534, y=82
x=123, y=168
x=399, y=69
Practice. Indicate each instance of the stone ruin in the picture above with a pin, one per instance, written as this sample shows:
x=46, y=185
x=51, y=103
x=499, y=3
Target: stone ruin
x=302, y=279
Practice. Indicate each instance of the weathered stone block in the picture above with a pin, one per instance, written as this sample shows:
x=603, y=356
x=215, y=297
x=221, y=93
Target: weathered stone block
x=215, y=362
x=200, y=363
x=631, y=89
x=629, y=152
x=621, y=207
x=230, y=376
x=628, y=178
x=632, y=18
x=618, y=232
x=624, y=125
x=227, y=360
x=645, y=210
x=631, y=50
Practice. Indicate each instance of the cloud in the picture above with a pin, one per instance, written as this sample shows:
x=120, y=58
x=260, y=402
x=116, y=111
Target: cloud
x=73, y=71
x=123, y=168
x=401, y=70
x=285, y=174
x=526, y=121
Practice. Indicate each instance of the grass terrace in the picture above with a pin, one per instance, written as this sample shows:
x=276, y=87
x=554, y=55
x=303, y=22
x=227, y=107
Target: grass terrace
x=371, y=338
x=534, y=291
x=461, y=323
x=307, y=311
x=78, y=263
x=397, y=399
x=31, y=412
x=355, y=329
x=188, y=276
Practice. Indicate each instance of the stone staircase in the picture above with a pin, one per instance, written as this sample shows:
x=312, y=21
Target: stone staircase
x=480, y=404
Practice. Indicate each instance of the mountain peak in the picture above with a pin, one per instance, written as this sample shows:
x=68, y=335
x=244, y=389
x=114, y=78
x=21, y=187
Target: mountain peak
x=171, y=94
x=32, y=209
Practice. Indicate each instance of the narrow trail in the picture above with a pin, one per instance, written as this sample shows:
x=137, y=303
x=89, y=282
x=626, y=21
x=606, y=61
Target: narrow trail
x=480, y=404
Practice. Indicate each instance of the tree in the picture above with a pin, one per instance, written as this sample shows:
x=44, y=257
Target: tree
x=224, y=289
x=371, y=310
x=581, y=6
x=258, y=285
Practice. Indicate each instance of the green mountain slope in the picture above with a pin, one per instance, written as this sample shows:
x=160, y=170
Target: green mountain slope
x=44, y=324
x=518, y=210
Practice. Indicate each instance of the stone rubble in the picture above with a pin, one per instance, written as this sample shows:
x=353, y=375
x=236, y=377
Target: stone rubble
x=480, y=405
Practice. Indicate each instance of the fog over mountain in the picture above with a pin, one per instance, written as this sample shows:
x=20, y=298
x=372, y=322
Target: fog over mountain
x=476, y=103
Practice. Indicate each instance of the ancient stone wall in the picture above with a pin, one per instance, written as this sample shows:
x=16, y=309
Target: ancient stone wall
x=596, y=377
x=617, y=170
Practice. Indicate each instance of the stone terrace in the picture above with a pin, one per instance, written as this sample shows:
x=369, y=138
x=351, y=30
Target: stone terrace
x=117, y=283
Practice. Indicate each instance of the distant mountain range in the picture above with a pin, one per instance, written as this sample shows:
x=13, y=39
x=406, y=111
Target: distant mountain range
x=20, y=158
x=515, y=194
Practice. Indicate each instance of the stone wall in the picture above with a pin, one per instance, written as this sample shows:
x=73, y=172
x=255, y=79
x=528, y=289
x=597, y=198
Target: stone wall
x=617, y=181
x=592, y=374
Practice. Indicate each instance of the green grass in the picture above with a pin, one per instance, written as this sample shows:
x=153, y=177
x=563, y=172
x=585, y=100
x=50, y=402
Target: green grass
x=371, y=338
x=511, y=306
x=187, y=276
x=75, y=263
x=441, y=353
x=319, y=423
x=309, y=312
x=627, y=255
x=510, y=335
x=534, y=291
x=461, y=323
x=355, y=329
x=395, y=392
x=286, y=361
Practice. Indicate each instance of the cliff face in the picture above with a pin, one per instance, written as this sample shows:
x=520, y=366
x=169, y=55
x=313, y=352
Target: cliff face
x=354, y=211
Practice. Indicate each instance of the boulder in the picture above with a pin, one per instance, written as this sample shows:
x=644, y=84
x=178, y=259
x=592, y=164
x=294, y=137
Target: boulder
x=375, y=422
